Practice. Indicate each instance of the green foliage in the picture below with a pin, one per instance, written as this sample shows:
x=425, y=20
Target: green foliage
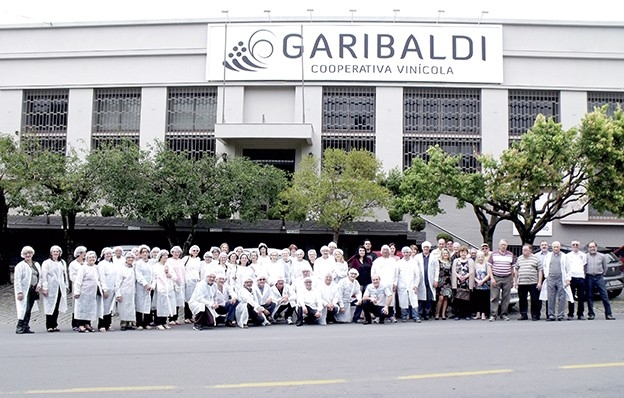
x=107, y=211
x=445, y=236
x=347, y=188
x=417, y=224
x=395, y=214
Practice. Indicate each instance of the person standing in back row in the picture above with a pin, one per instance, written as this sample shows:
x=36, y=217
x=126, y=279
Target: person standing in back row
x=577, y=260
x=595, y=269
x=502, y=275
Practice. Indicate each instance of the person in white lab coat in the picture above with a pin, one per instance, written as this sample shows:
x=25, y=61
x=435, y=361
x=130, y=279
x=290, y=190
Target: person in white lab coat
x=203, y=303
x=285, y=300
x=309, y=303
x=144, y=286
x=324, y=264
x=262, y=293
x=176, y=267
x=164, y=291
x=332, y=299
x=125, y=292
x=227, y=301
x=192, y=267
x=340, y=266
x=248, y=308
x=387, y=268
x=429, y=270
x=26, y=286
x=407, y=287
x=54, y=285
x=79, y=260
x=118, y=256
x=351, y=294
x=86, y=290
x=108, y=275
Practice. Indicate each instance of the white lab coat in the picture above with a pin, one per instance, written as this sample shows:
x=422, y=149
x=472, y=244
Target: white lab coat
x=164, y=291
x=408, y=281
x=324, y=266
x=54, y=280
x=204, y=297
x=243, y=273
x=262, y=296
x=87, y=307
x=144, y=275
x=387, y=269
x=349, y=291
x=311, y=298
x=340, y=271
x=275, y=270
x=565, y=276
x=21, y=278
x=246, y=297
x=73, y=268
x=330, y=294
x=432, y=276
x=108, y=276
x=176, y=267
x=278, y=298
x=125, y=286
x=192, y=268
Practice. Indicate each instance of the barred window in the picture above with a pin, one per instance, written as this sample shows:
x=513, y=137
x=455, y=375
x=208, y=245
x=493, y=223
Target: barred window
x=116, y=116
x=597, y=99
x=450, y=118
x=525, y=105
x=348, y=118
x=44, y=119
x=191, y=117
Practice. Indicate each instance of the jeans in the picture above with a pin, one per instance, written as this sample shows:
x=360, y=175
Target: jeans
x=523, y=293
x=424, y=308
x=229, y=310
x=502, y=284
x=578, y=290
x=23, y=324
x=597, y=282
x=556, y=297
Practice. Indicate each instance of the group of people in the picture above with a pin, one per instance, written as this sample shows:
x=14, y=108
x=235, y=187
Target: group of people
x=150, y=287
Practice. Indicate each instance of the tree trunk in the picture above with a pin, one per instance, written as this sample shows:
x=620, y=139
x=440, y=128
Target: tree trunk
x=170, y=231
x=5, y=271
x=189, y=239
x=69, y=227
x=487, y=227
x=336, y=236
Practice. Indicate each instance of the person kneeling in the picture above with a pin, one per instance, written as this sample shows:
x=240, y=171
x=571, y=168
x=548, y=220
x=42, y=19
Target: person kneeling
x=376, y=301
x=203, y=303
x=309, y=304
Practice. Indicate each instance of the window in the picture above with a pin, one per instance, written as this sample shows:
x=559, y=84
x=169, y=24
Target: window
x=450, y=118
x=598, y=99
x=44, y=119
x=525, y=105
x=191, y=116
x=116, y=116
x=349, y=118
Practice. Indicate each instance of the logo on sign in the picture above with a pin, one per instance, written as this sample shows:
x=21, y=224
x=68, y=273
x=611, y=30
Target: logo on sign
x=252, y=55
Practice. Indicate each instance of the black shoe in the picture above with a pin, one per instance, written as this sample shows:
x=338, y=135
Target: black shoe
x=198, y=328
x=19, y=331
x=610, y=318
x=299, y=323
x=523, y=318
x=28, y=331
x=366, y=323
x=591, y=317
x=570, y=317
x=581, y=318
x=560, y=319
x=535, y=318
x=551, y=319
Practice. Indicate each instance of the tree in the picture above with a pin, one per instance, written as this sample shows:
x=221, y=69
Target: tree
x=59, y=184
x=548, y=175
x=165, y=187
x=346, y=189
x=11, y=161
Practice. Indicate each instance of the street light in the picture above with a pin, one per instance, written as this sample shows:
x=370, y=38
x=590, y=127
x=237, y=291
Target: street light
x=310, y=10
x=352, y=12
x=482, y=15
x=440, y=12
x=227, y=14
x=396, y=10
x=268, y=12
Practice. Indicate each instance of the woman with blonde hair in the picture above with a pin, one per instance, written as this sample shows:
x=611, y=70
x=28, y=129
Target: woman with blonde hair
x=445, y=289
x=54, y=285
x=26, y=285
x=86, y=290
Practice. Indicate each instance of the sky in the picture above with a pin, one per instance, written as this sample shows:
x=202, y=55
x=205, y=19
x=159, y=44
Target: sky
x=55, y=11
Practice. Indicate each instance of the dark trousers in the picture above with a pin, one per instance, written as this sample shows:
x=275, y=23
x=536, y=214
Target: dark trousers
x=188, y=314
x=331, y=315
x=596, y=282
x=578, y=291
x=204, y=319
x=174, y=317
x=309, y=318
x=229, y=310
x=52, y=320
x=23, y=325
x=358, y=311
x=269, y=307
x=461, y=308
x=523, y=292
x=253, y=315
x=287, y=309
x=160, y=320
x=481, y=301
x=105, y=322
x=143, y=319
x=424, y=308
x=372, y=309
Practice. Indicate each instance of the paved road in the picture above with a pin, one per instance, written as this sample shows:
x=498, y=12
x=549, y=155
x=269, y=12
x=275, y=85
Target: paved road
x=438, y=359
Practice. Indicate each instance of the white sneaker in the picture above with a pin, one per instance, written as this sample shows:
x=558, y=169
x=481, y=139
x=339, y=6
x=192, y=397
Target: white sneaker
x=266, y=323
x=289, y=321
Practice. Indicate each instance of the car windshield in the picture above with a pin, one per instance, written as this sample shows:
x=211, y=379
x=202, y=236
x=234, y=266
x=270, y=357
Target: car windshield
x=611, y=258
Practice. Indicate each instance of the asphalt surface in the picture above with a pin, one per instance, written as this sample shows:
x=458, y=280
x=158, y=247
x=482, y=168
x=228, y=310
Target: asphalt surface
x=435, y=358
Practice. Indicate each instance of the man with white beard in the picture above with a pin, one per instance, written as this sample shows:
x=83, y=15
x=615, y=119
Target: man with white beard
x=387, y=269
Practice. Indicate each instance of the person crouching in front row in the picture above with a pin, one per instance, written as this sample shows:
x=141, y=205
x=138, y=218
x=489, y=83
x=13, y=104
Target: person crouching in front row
x=376, y=301
x=309, y=303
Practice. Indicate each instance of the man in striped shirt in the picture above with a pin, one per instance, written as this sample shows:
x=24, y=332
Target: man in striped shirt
x=502, y=275
x=529, y=281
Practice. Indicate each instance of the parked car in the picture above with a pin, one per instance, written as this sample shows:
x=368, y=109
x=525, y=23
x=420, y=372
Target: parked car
x=614, y=278
x=620, y=253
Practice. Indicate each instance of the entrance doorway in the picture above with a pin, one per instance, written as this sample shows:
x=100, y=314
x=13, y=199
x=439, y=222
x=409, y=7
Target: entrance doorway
x=281, y=158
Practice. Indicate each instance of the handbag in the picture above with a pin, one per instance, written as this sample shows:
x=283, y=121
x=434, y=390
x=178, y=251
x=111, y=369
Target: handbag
x=462, y=294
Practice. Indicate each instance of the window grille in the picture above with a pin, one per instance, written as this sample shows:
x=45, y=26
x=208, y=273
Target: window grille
x=525, y=105
x=44, y=119
x=450, y=118
x=116, y=116
x=348, y=118
x=596, y=99
x=191, y=116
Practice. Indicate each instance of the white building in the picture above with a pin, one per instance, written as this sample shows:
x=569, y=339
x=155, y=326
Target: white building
x=291, y=88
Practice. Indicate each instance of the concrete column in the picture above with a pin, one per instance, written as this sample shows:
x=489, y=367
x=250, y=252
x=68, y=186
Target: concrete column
x=573, y=108
x=389, y=127
x=11, y=112
x=230, y=109
x=313, y=115
x=80, y=120
x=153, y=116
x=494, y=121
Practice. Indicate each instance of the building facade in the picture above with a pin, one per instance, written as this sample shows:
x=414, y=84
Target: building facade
x=278, y=92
